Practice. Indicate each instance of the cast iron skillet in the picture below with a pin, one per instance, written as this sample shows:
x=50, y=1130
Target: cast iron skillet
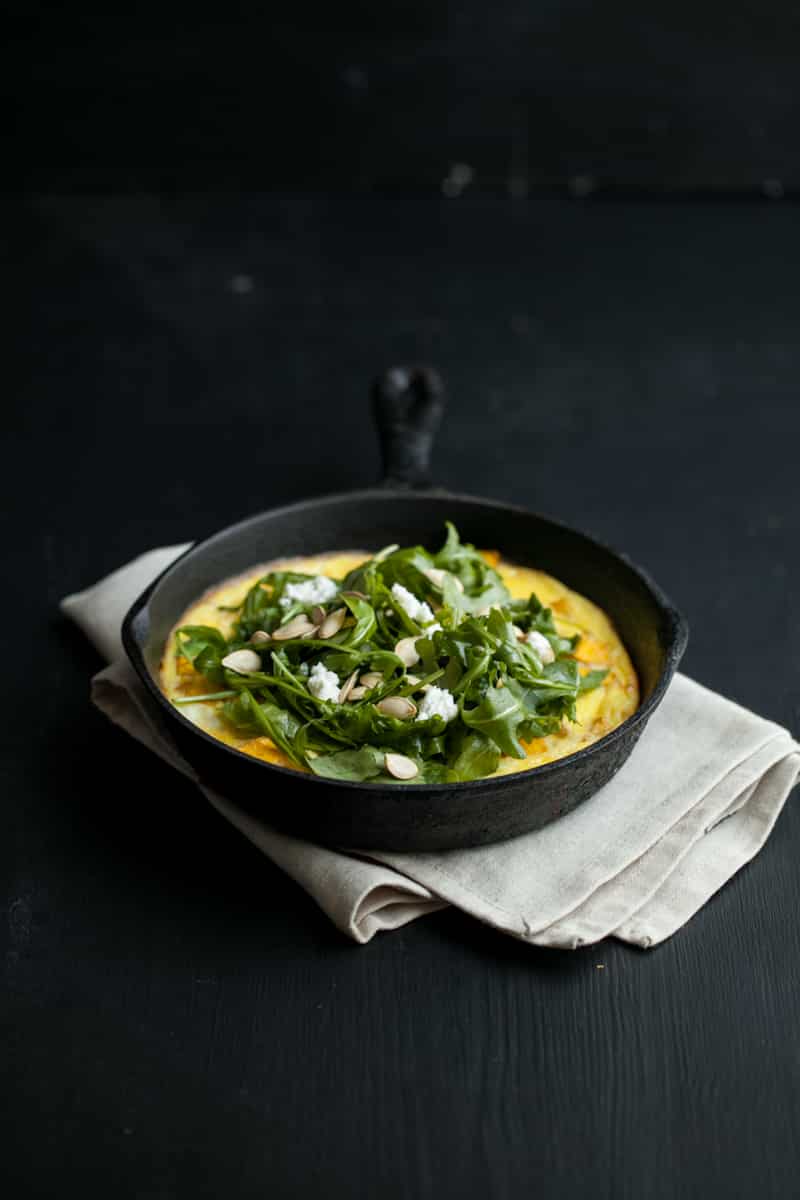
x=408, y=406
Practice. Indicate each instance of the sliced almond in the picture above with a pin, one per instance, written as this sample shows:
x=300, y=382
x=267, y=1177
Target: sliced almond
x=400, y=767
x=347, y=688
x=412, y=679
x=318, y=614
x=357, y=693
x=259, y=637
x=407, y=651
x=436, y=576
x=358, y=595
x=519, y=633
x=397, y=706
x=372, y=679
x=298, y=627
x=332, y=623
x=242, y=661
x=540, y=646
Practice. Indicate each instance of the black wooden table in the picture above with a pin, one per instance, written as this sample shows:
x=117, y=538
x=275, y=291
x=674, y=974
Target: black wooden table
x=182, y=1020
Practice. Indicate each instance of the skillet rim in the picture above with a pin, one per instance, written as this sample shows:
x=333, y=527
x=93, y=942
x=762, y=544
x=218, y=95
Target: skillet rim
x=675, y=637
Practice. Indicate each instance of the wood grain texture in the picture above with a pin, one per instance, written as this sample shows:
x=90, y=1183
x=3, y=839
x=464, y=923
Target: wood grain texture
x=181, y=1020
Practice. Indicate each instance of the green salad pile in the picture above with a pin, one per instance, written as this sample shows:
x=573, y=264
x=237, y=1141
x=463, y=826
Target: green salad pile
x=416, y=667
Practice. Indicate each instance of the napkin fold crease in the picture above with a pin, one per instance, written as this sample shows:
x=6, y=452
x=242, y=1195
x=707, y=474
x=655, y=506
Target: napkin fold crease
x=695, y=802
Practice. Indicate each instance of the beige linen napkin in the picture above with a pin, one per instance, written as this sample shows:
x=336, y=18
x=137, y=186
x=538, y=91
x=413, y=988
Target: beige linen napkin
x=694, y=803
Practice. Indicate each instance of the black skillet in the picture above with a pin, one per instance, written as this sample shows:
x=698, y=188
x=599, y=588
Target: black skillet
x=408, y=406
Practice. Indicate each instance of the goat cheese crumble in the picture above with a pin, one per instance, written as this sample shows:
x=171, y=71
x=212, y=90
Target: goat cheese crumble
x=323, y=684
x=318, y=590
x=418, y=610
x=437, y=702
x=540, y=645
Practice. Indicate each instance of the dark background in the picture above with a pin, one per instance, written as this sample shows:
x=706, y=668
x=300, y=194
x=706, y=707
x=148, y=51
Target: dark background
x=215, y=235
x=667, y=97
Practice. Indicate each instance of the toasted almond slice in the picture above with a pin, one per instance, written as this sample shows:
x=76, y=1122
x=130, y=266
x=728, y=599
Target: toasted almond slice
x=400, y=767
x=520, y=634
x=242, y=661
x=357, y=693
x=406, y=650
x=298, y=627
x=412, y=679
x=397, y=706
x=436, y=576
x=540, y=646
x=259, y=637
x=347, y=688
x=318, y=614
x=332, y=623
x=372, y=679
x=358, y=595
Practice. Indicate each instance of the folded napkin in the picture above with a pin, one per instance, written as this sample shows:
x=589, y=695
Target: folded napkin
x=694, y=803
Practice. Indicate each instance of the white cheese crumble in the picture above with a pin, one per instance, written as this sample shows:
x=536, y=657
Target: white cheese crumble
x=437, y=702
x=418, y=610
x=540, y=645
x=318, y=590
x=323, y=684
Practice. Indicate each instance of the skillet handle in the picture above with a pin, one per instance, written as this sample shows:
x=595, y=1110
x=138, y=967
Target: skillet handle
x=407, y=404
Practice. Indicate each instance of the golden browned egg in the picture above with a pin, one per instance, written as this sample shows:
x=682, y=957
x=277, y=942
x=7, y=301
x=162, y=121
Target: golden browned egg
x=599, y=711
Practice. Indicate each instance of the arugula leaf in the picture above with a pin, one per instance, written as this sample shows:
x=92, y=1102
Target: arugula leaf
x=355, y=765
x=497, y=717
x=264, y=720
x=454, y=603
x=204, y=647
x=477, y=756
x=206, y=696
x=365, y=624
x=428, y=771
x=192, y=639
x=592, y=680
x=408, y=568
x=369, y=762
x=364, y=578
x=483, y=586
